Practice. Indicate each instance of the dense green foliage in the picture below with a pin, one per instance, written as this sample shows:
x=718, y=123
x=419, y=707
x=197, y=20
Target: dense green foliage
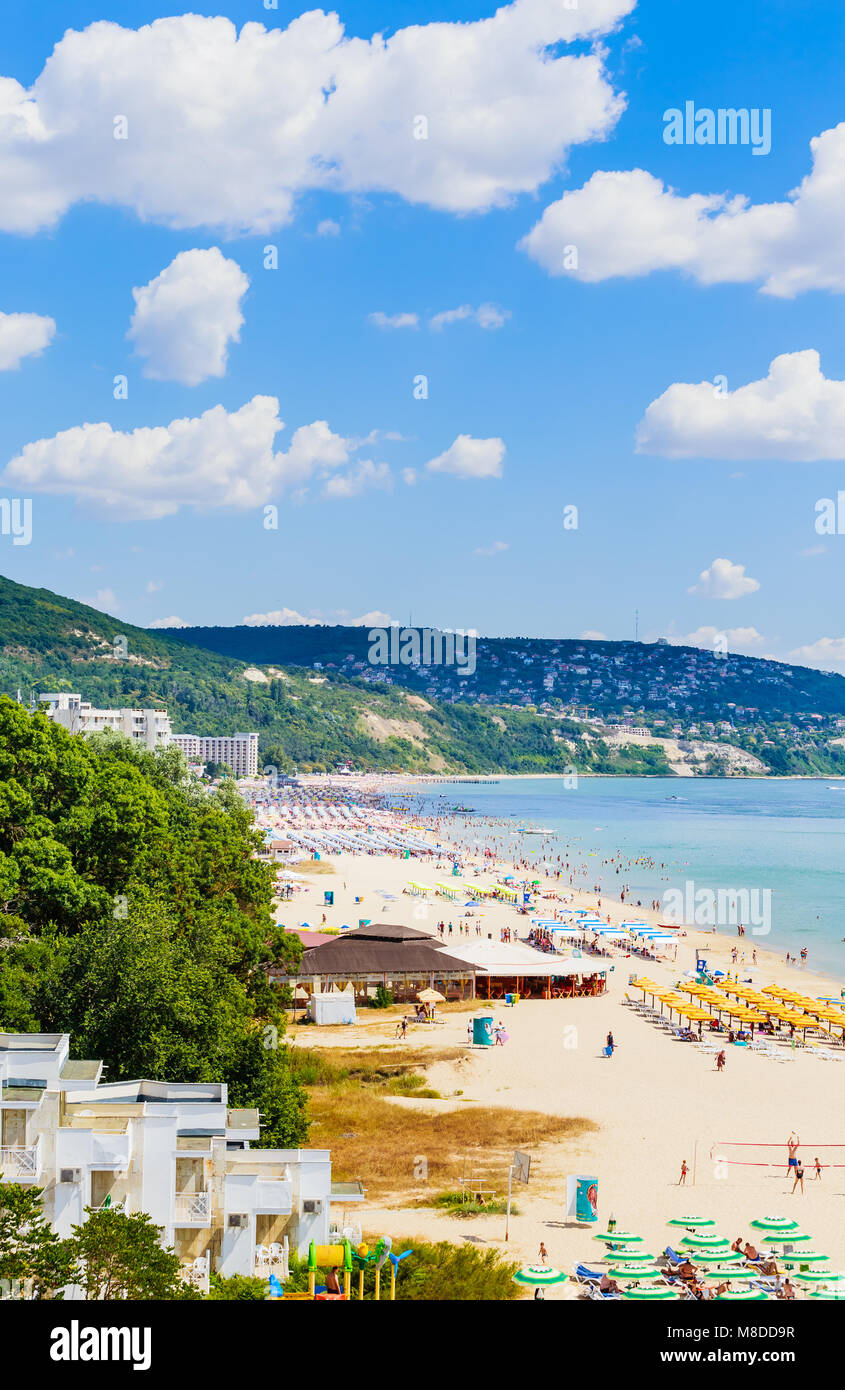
x=120, y=1257
x=431, y=1273
x=134, y=917
x=33, y=1260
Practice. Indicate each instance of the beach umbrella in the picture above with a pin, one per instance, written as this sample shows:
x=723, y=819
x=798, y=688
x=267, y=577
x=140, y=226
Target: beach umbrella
x=787, y=1238
x=826, y=1293
x=618, y=1238
x=631, y=1257
x=691, y=1223
x=718, y=1257
x=641, y=1271
x=742, y=1296
x=731, y=1274
x=823, y=1277
x=775, y=1223
x=650, y=1291
x=706, y=1241
x=540, y=1276
x=804, y=1257
x=431, y=996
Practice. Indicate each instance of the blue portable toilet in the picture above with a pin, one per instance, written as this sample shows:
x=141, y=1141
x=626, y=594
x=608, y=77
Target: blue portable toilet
x=482, y=1030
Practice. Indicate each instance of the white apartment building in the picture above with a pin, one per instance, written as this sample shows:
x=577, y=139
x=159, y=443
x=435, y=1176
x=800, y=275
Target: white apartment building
x=149, y=727
x=172, y=1149
x=237, y=751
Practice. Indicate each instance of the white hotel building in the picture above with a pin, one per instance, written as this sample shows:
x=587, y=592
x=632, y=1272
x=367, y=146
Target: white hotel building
x=172, y=1149
x=237, y=751
x=151, y=728
x=148, y=727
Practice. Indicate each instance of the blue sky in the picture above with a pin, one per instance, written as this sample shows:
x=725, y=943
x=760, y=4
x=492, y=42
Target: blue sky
x=535, y=394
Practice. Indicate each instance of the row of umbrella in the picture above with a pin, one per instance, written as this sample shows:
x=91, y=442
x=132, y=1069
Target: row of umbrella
x=752, y=1006
x=631, y=1262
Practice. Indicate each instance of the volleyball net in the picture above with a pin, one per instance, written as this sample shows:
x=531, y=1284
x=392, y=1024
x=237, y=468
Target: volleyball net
x=746, y=1155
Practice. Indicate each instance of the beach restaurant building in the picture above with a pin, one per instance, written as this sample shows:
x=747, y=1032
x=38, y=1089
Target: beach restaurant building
x=395, y=957
x=511, y=967
x=406, y=961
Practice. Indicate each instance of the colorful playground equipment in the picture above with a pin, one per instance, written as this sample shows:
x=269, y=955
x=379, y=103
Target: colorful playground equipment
x=347, y=1260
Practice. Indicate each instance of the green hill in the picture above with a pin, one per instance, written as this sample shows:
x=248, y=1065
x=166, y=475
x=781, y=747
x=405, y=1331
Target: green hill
x=532, y=705
x=305, y=720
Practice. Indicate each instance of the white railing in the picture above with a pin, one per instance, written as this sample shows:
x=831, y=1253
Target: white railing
x=193, y=1207
x=19, y=1162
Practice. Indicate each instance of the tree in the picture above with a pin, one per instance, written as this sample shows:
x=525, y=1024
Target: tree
x=121, y=1257
x=30, y=1251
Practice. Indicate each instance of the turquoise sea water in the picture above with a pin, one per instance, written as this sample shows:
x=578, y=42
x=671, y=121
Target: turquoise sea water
x=784, y=836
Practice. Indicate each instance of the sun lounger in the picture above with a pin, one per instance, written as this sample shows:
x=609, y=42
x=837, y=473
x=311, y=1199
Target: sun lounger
x=599, y=1297
x=586, y=1276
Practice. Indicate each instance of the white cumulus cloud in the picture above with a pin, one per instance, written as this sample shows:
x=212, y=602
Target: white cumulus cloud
x=627, y=223
x=23, y=335
x=289, y=617
x=495, y=549
x=794, y=413
x=488, y=316
x=186, y=317
x=470, y=458
x=217, y=459
x=827, y=654
x=364, y=475
x=724, y=579
x=304, y=107
x=382, y=320
x=738, y=639
x=169, y=622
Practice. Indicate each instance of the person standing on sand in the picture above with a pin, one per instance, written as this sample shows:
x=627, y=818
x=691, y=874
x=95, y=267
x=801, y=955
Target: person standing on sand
x=792, y=1145
x=818, y=1168
x=684, y=1170
x=799, y=1178
x=544, y=1255
x=720, y=1061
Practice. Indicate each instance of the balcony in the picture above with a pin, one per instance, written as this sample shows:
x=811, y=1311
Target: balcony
x=20, y=1162
x=193, y=1209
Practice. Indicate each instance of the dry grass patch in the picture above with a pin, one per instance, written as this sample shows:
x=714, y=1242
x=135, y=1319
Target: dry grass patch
x=315, y=866
x=383, y=1144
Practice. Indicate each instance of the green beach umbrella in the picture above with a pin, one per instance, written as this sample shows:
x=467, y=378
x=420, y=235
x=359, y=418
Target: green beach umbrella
x=719, y=1257
x=631, y=1257
x=706, y=1242
x=539, y=1276
x=820, y=1276
x=824, y=1293
x=691, y=1223
x=635, y=1272
x=731, y=1274
x=742, y=1296
x=654, y=1292
x=775, y=1223
x=804, y=1257
x=789, y=1238
x=618, y=1238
